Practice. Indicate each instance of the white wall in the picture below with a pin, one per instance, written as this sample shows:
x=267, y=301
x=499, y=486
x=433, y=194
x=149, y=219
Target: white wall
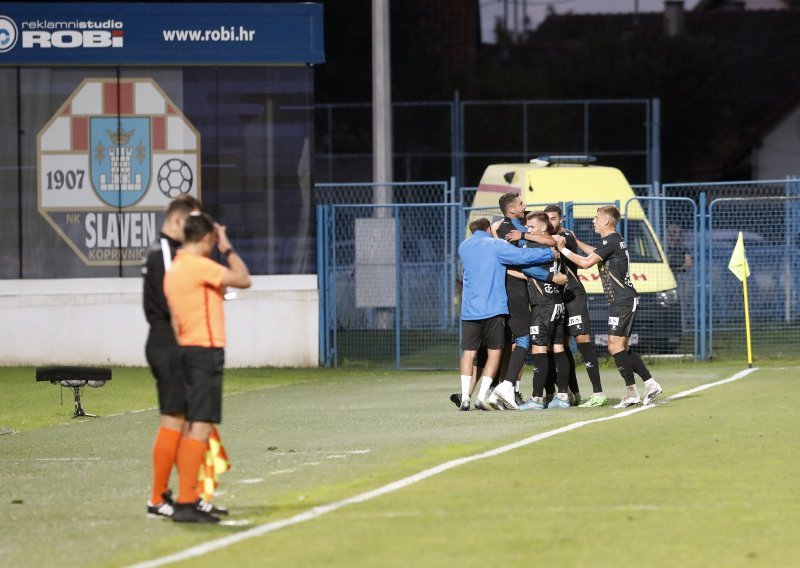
x=778, y=155
x=100, y=321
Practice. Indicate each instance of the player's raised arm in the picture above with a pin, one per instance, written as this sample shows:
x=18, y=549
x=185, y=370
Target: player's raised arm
x=581, y=261
x=587, y=249
x=511, y=255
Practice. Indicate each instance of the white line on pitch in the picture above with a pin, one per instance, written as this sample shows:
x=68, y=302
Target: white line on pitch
x=316, y=512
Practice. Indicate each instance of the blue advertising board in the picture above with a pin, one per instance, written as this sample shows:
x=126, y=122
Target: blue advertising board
x=160, y=34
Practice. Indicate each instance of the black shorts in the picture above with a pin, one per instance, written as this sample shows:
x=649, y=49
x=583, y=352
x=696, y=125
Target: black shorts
x=547, y=324
x=620, y=317
x=490, y=332
x=519, y=311
x=165, y=364
x=202, y=375
x=577, y=315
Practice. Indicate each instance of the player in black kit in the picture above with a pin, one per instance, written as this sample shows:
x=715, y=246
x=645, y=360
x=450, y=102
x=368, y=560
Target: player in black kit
x=546, y=327
x=614, y=267
x=577, y=314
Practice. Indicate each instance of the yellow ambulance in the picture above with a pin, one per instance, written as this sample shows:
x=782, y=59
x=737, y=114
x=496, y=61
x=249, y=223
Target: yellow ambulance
x=579, y=187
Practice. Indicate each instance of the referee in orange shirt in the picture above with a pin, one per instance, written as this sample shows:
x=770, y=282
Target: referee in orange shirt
x=194, y=286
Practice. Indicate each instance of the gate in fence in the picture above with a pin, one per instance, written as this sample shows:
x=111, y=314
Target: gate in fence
x=390, y=281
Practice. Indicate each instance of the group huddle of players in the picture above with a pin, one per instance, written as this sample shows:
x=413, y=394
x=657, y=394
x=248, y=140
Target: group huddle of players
x=546, y=305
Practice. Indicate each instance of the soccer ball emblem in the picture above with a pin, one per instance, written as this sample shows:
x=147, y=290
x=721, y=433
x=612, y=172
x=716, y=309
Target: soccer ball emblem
x=174, y=178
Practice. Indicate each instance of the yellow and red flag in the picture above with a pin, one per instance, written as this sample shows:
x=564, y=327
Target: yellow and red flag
x=214, y=464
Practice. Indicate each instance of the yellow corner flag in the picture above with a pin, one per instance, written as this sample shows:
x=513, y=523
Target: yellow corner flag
x=738, y=265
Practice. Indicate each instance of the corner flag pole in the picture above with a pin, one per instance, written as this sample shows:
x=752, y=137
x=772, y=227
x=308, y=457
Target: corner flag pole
x=738, y=265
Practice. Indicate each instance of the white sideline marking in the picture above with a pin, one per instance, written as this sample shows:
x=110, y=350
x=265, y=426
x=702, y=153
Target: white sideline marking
x=249, y=481
x=311, y=514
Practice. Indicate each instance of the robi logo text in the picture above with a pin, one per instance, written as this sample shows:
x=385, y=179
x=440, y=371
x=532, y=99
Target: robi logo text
x=72, y=38
x=8, y=34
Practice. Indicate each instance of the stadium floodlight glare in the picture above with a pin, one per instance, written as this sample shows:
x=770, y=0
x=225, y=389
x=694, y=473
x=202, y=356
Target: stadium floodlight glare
x=75, y=378
x=556, y=160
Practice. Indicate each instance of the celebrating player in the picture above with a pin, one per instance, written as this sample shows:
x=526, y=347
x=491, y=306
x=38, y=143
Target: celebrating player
x=577, y=312
x=614, y=266
x=546, y=328
x=484, y=304
x=513, y=229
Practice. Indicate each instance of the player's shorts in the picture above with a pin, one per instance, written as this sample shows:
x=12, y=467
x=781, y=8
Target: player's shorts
x=577, y=315
x=490, y=331
x=620, y=317
x=165, y=363
x=202, y=375
x=547, y=324
x=519, y=312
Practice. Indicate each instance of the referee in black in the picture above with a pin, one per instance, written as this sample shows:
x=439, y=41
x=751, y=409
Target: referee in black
x=161, y=351
x=614, y=266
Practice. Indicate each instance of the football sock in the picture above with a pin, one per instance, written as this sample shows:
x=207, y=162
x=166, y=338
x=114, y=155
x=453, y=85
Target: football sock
x=562, y=372
x=486, y=382
x=164, y=450
x=541, y=366
x=625, y=367
x=592, y=369
x=515, y=362
x=550, y=380
x=465, y=381
x=573, y=378
x=638, y=366
x=190, y=456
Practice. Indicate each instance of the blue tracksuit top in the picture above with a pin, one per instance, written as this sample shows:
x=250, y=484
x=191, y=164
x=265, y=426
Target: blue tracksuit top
x=539, y=272
x=484, y=260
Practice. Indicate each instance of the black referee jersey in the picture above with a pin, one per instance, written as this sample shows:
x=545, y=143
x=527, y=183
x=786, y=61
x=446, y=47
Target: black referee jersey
x=156, y=310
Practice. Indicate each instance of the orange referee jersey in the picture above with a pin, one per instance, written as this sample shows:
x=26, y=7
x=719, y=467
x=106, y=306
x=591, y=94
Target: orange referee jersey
x=193, y=287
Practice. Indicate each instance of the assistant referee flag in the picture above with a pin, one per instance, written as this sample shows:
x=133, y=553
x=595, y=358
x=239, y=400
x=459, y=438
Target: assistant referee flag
x=738, y=263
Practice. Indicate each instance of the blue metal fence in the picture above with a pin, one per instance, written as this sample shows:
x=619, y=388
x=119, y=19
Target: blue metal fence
x=389, y=274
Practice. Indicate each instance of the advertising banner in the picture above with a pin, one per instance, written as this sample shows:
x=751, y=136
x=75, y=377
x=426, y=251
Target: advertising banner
x=51, y=33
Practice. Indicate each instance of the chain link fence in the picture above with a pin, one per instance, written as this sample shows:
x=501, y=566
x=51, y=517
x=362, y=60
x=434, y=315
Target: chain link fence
x=390, y=277
x=369, y=193
x=771, y=234
x=390, y=285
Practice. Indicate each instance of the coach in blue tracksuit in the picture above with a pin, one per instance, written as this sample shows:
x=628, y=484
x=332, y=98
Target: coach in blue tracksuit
x=484, y=304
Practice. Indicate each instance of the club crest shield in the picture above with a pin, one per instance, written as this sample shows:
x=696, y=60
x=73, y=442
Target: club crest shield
x=121, y=158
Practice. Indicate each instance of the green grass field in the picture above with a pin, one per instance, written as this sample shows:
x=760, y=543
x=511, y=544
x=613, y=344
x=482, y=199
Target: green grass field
x=705, y=480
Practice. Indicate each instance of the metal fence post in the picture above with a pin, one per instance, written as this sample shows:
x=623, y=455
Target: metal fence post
x=334, y=345
x=655, y=141
x=704, y=217
x=322, y=286
x=398, y=284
